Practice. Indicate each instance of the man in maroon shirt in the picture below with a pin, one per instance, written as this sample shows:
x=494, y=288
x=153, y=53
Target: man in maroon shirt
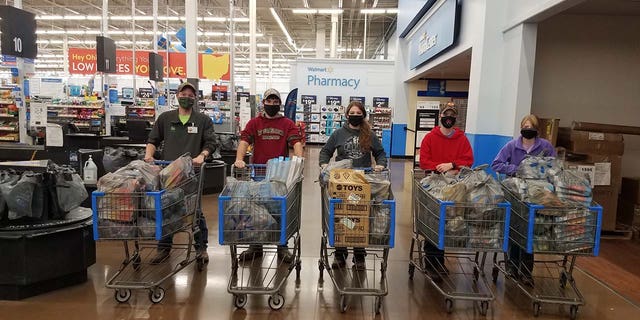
x=271, y=134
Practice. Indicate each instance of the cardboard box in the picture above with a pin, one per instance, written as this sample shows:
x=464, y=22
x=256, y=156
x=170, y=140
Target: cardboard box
x=628, y=213
x=353, y=188
x=585, y=142
x=604, y=170
x=630, y=190
x=351, y=231
x=607, y=197
x=548, y=129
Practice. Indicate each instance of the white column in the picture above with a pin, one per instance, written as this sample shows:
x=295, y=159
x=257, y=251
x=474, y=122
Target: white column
x=232, y=56
x=517, y=79
x=321, y=35
x=105, y=18
x=334, y=35
x=364, y=41
x=133, y=38
x=270, y=62
x=252, y=47
x=65, y=54
x=155, y=26
x=191, y=25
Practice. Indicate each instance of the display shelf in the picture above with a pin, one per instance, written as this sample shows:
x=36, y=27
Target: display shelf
x=71, y=106
x=5, y=101
x=9, y=128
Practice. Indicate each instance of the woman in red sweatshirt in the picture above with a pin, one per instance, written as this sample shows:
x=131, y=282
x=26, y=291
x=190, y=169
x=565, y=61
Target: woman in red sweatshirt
x=443, y=149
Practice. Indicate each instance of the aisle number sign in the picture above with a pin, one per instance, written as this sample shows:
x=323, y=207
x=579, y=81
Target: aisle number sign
x=211, y=66
x=18, y=32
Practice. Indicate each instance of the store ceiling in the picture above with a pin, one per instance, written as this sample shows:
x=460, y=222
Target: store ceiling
x=608, y=7
x=301, y=27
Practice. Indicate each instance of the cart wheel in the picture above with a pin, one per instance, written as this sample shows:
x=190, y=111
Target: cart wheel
x=573, y=312
x=484, y=307
x=136, y=263
x=563, y=279
x=476, y=273
x=412, y=270
x=494, y=274
x=276, y=301
x=378, y=304
x=343, y=303
x=156, y=295
x=240, y=300
x=536, y=309
x=448, y=305
x=122, y=295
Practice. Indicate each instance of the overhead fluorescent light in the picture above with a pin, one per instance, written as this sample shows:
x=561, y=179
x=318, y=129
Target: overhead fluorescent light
x=375, y=4
x=305, y=3
x=304, y=11
x=49, y=17
x=330, y=11
x=174, y=12
x=72, y=11
x=140, y=12
x=282, y=27
x=392, y=10
x=340, y=4
x=373, y=11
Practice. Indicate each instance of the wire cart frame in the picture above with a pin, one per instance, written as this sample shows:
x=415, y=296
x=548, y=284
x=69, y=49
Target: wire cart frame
x=358, y=282
x=140, y=220
x=265, y=276
x=557, y=235
x=467, y=231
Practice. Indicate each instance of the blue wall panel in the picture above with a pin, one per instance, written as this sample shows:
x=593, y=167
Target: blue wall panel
x=399, y=140
x=486, y=147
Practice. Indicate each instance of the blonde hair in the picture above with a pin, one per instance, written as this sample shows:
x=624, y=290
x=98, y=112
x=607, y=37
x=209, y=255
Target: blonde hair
x=531, y=118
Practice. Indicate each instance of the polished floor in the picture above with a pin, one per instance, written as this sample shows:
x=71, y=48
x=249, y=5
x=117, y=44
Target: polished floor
x=203, y=295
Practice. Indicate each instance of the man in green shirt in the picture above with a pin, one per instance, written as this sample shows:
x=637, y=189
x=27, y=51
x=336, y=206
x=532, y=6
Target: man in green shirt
x=181, y=131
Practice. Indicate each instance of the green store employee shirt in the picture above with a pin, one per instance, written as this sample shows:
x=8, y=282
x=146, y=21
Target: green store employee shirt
x=178, y=137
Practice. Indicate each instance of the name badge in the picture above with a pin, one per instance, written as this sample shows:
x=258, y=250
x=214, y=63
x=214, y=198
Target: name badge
x=192, y=129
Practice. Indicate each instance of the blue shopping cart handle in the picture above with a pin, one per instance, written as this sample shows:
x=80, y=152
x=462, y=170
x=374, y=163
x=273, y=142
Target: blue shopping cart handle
x=161, y=162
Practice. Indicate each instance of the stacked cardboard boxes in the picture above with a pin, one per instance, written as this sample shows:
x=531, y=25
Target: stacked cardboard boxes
x=602, y=160
x=351, y=216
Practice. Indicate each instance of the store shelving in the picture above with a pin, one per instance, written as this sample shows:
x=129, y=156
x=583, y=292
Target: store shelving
x=9, y=121
x=86, y=114
x=380, y=119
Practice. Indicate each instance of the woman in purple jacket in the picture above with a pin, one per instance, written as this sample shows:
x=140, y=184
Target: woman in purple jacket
x=506, y=162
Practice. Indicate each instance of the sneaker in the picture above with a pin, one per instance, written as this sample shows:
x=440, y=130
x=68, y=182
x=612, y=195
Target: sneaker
x=161, y=256
x=285, y=256
x=251, y=254
x=338, y=263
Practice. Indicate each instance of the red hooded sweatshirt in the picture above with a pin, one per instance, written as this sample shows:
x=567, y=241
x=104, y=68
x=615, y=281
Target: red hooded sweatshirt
x=436, y=148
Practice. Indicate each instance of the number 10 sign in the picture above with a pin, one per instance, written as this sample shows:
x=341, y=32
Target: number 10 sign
x=18, y=32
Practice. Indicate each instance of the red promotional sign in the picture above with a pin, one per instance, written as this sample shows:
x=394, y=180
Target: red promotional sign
x=212, y=66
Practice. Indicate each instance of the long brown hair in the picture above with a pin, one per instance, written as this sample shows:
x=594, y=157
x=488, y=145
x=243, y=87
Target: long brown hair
x=365, y=128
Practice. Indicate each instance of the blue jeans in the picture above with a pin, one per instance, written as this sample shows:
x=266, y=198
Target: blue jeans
x=201, y=238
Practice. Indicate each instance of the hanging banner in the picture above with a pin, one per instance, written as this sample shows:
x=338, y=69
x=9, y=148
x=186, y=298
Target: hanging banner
x=211, y=66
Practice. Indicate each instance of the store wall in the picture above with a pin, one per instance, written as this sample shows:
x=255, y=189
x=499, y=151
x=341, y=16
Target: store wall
x=367, y=78
x=587, y=69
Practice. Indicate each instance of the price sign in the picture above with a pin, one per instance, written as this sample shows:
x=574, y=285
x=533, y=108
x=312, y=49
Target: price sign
x=18, y=32
x=381, y=102
x=308, y=100
x=359, y=99
x=145, y=93
x=334, y=100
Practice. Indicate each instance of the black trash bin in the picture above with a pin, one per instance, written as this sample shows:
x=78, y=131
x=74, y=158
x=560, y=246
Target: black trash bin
x=214, y=176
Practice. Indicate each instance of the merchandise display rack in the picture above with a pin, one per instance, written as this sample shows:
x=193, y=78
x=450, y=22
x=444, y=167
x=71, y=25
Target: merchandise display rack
x=86, y=114
x=142, y=108
x=9, y=116
x=380, y=119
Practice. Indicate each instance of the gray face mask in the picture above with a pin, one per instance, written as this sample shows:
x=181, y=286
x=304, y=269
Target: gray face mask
x=186, y=102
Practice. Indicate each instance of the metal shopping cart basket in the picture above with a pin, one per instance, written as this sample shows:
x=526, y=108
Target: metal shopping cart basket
x=141, y=219
x=259, y=220
x=556, y=235
x=467, y=231
x=363, y=224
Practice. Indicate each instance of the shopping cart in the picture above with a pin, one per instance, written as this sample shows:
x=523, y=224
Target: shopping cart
x=557, y=235
x=341, y=230
x=467, y=231
x=141, y=219
x=237, y=217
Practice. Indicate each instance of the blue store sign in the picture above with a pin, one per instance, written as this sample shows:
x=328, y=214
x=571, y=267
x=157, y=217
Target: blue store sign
x=437, y=34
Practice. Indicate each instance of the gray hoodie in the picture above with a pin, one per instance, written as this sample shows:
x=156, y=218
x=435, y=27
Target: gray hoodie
x=346, y=140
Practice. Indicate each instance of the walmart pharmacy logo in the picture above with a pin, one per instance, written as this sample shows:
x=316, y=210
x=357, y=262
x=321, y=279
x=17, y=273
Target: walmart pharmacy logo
x=320, y=69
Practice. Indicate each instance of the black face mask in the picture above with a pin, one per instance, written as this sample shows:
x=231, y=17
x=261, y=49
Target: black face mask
x=529, y=133
x=271, y=110
x=355, y=120
x=448, y=121
x=186, y=102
